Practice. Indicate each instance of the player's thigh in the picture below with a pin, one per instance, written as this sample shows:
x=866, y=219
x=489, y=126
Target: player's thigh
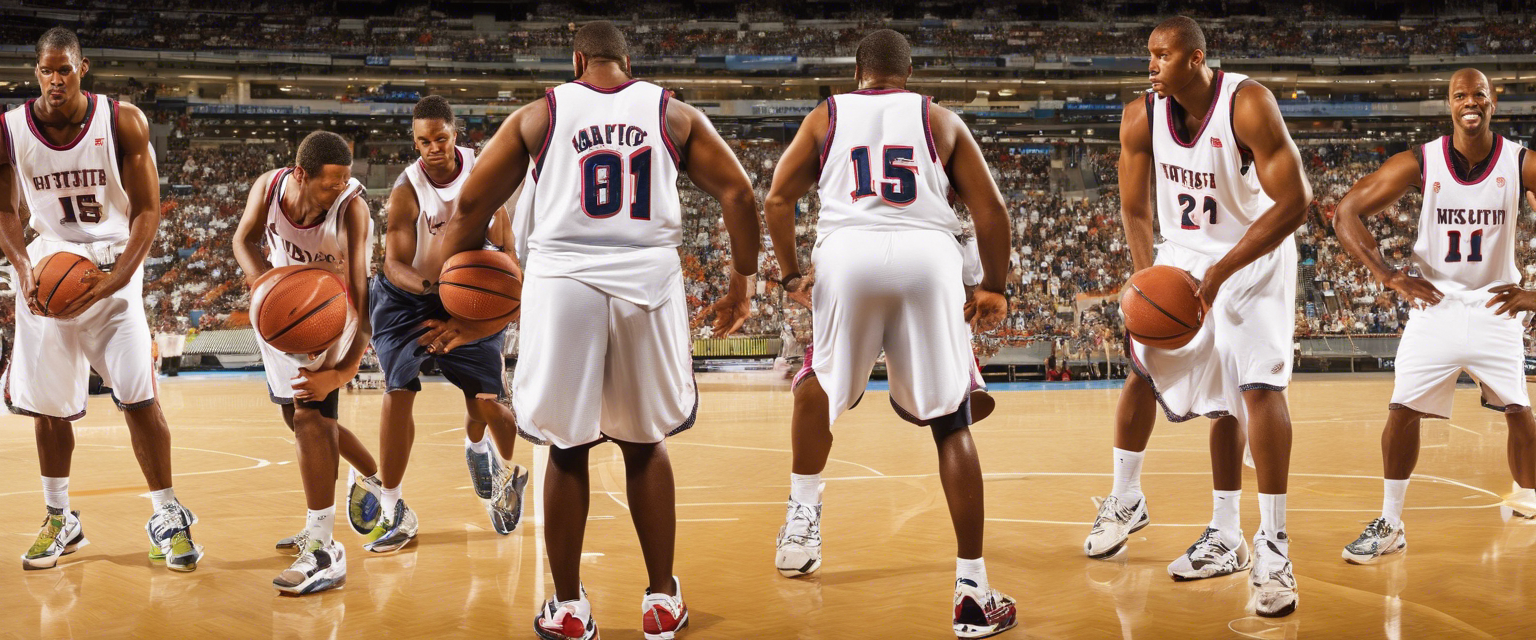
x=395, y=318
x=476, y=368
x=855, y=293
x=1255, y=318
x=649, y=391
x=927, y=343
x=562, y=349
x=47, y=372
x=117, y=343
x=1495, y=355
x=1429, y=360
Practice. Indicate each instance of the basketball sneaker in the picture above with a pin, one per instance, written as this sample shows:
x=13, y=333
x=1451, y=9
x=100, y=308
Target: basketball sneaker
x=1114, y=525
x=482, y=470
x=1274, y=585
x=170, y=537
x=1520, y=503
x=506, y=504
x=363, y=501
x=663, y=615
x=393, y=531
x=1380, y=538
x=60, y=535
x=799, y=543
x=982, y=614
x=318, y=568
x=293, y=545
x=569, y=620
x=1210, y=556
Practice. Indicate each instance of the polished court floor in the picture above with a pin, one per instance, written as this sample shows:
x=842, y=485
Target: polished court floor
x=889, y=548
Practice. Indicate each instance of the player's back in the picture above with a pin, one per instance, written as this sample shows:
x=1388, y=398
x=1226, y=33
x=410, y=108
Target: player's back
x=1467, y=228
x=75, y=190
x=1208, y=192
x=879, y=167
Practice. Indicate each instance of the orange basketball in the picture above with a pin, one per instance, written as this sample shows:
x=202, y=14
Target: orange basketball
x=480, y=285
x=299, y=309
x=1160, y=307
x=60, y=279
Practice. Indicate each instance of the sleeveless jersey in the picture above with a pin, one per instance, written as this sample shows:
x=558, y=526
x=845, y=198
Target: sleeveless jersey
x=879, y=166
x=75, y=191
x=1208, y=193
x=437, y=203
x=325, y=241
x=1467, y=230
x=609, y=214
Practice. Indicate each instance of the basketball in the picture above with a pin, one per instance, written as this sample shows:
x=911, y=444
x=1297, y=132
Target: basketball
x=61, y=278
x=480, y=285
x=299, y=309
x=1160, y=307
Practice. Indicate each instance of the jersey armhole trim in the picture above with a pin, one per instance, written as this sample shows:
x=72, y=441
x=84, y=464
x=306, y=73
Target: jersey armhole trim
x=272, y=186
x=1151, y=128
x=826, y=143
x=1420, y=152
x=1520, y=168
x=549, y=134
x=117, y=147
x=1242, y=149
x=933, y=150
x=5, y=132
x=666, y=136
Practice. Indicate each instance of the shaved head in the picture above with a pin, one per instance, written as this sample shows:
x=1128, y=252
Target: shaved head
x=1182, y=33
x=1472, y=102
x=1470, y=76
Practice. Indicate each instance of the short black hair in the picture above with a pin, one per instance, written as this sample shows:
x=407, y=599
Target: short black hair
x=59, y=38
x=601, y=40
x=1186, y=34
x=434, y=107
x=884, y=52
x=321, y=148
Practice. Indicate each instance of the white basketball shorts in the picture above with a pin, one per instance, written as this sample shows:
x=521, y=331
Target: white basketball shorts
x=1460, y=333
x=52, y=360
x=900, y=291
x=591, y=365
x=281, y=368
x=1245, y=342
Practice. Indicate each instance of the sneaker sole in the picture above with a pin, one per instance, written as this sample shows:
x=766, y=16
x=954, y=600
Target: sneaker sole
x=802, y=570
x=312, y=586
x=545, y=635
x=970, y=632
x=1283, y=612
x=1364, y=560
x=186, y=566
x=1116, y=549
x=386, y=547
x=53, y=561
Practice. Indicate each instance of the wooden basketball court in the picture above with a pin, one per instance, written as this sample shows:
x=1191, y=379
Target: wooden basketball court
x=889, y=554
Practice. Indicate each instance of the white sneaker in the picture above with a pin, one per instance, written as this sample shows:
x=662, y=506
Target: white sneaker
x=1380, y=538
x=662, y=616
x=570, y=620
x=1211, y=556
x=60, y=535
x=799, y=542
x=1115, y=523
x=1274, y=584
x=1519, y=507
x=317, y=568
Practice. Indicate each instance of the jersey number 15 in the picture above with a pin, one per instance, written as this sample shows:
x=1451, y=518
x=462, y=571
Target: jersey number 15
x=89, y=210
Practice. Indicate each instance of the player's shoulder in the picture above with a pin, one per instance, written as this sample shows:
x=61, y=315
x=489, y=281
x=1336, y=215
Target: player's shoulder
x=1251, y=93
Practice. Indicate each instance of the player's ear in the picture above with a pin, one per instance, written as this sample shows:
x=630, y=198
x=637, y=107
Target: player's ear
x=580, y=62
x=626, y=66
x=1197, y=57
x=85, y=65
x=299, y=174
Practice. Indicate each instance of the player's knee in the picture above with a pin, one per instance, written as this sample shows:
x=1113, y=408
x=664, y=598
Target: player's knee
x=945, y=425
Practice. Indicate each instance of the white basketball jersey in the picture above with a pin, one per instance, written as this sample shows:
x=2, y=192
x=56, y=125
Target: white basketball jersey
x=1208, y=192
x=437, y=203
x=75, y=191
x=1467, y=229
x=325, y=241
x=879, y=167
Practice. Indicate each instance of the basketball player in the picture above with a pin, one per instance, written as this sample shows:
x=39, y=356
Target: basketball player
x=83, y=164
x=1469, y=310
x=422, y=202
x=1230, y=192
x=311, y=214
x=889, y=265
x=604, y=347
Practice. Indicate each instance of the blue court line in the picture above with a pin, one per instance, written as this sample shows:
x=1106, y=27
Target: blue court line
x=1075, y=385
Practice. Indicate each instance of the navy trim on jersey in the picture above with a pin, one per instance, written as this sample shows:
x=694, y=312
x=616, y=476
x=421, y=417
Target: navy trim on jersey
x=5, y=132
x=1151, y=130
x=458, y=158
x=609, y=89
x=90, y=115
x=1423, y=166
x=933, y=150
x=272, y=186
x=1498, y=146
x=538, y=160
x=666, y=97
x=1209, y=111
x=1521, y=169
x=117, y=148
x=826, y=144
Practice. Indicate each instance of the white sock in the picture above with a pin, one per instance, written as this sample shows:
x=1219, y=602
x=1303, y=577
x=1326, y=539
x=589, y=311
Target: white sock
x=161, y=497
x=805, y=489
x=56, y=493
x=1127, y=474
x=479, y=446
x=1272, y=518
x=1392, y=496
x=973, y=570
x=1226, y=512
x=319, y=524
x=387, y=499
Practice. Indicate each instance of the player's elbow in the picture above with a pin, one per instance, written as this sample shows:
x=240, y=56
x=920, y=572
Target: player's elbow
x=739, y=198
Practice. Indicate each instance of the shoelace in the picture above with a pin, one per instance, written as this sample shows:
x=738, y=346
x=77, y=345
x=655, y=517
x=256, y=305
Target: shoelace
x=809, y=527
x=1112, y=509
x=1208, y=547
x=168, y=521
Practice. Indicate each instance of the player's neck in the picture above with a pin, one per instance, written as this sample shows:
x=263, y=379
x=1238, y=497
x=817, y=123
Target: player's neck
x=878, y=83
x=293, y=206
x=1197, y=96
x=1473, y=146
x=442, y=176
x=604, y=75
x=70, y=114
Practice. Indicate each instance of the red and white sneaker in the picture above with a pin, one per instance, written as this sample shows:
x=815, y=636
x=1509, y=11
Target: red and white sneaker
x=982, y=614
x=569, y=620
x=663, y=615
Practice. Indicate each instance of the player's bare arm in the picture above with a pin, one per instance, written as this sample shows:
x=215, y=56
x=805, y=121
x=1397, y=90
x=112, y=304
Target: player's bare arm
x=400, y=241
x=1512, y=298
x=253, y=225
x=315, y=385
x=141, y=180
x=714, y=170
x=972, y=181
x=1136, y=211
x=1370, y=196
x=793, y=177
x=502, y=236
x=13, y=241
x=1259, y=127
x=498, y=172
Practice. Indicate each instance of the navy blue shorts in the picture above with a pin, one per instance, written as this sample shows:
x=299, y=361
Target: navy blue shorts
x=476, y=368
